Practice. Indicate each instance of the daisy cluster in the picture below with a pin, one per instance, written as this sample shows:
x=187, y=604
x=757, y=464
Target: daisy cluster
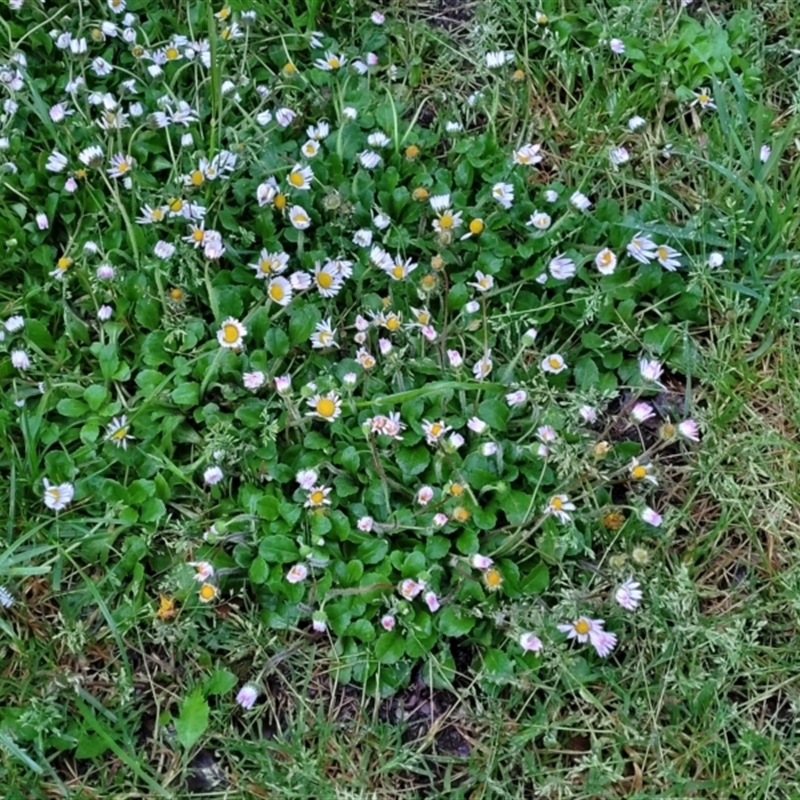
x=314, y=270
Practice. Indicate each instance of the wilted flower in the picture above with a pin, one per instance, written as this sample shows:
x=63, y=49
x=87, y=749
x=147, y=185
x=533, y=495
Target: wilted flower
x=652, y=517
x=629, y=595
x=530, y=642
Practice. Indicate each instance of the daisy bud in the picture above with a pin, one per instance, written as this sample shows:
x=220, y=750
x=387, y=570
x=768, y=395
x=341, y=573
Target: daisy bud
x=477, y=425
x=588, y=414
x=480, y=562
x=377, y=18
x=212, y=476
x=247, y=696
x=349, y=380
x=652, y=517
x=319, y=621
x=253, y=380
x=365, y=524
x=20, y=360
x=298, y=573
x=529, y=337
x=488, y=449
x=530, y=643
x=715, y=260
x=42, y=222
x=424, y=495
x=387, y=622
x=432, y=601
x=439, y=519
x=283, y=384
x=455, y=358
x=385, y=346
x=104, y=313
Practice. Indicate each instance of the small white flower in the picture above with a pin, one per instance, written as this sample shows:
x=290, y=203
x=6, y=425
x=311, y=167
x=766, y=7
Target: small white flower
x=629, y=595
x=715, y=260
x=764, y=153
x=212, y=476
x=551, y=196
x=516, y=398
x=254, y=380
x=617, y=46
x=365, y=524
x=588, y=414
x=299, y=218
x=14, y=324
x=298, y=573
x=553, y=363
x=285, y=116
x=498, y=58
x=530, y=642
x=362, y=237
x=377, y=18
x=651, y=370
x=231, y=334
x=619, y=156
x=57, y=498
x=453, y=127
x=477, y=425
x=6, y=598
x=488, y=449
x=20, y=360
x=668, y=257
x=562, y=268
x=652, y=517
x=504, y=194
x=164, y=250
x=247, y=696
x=369, y=159
x=104, y=313
x=580, y=201
x=642, y=248
x=540, y=220
x=605, y=261
x=56, y=162
x=636, y=122
x=349, y=113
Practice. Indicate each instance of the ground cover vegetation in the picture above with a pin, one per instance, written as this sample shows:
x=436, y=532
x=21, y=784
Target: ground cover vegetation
x=399, y=402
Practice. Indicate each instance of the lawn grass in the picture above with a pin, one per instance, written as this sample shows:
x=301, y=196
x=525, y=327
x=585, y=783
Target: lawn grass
x=102, y=699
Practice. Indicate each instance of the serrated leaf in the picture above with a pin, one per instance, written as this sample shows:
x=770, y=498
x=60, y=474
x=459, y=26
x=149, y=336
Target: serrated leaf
x=192, y=721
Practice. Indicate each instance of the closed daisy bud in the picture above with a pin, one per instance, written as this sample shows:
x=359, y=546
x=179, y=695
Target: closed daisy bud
x=247, y=696
x=530, y=642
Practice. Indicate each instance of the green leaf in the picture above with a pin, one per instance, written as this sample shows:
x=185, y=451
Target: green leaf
x=389, y=648
x=536, y=581
x=413, y=460
x=70, y=407
x=494, y=413
x=277, y=342
x=192, y=722
x=498, y=665
x=278, y=549
x=586, y=373
x=220, y=681
x=453, y=622
x=361, y=629
x=373, y=551
x=95, y=396
x=302, y=321
x=259, y=570
x=186, y=395
x=268, y=507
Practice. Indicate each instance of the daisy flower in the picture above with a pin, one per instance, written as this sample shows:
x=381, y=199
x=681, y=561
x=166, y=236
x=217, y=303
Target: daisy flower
x=424, y=495
x=528, y=155
x=270, y=264
x=641, y=248
x=516, y=398
x=149, y=216
x=434, y=431
x=325, y=406
x=398, y=269
x=299, y=218
x=492, y=578
x=642, y=472
x=231, y=334
x=327, y=280
x=498, y=58
x=298, y=573
x=703, y=99
x=617, y=46
x=483, y=283
x=121, y=165
x=530, y=642
x=300, y=177
x=323, y=335
x=689, y=430
x=668, y=257
x=559, y=506
x=279, y=290
x=447, y=221
x=641, y=412
x=56, y=162
x=20, y=360
x=504, y=194
x=410, y=588
x=650, y=369
x=540, y=220
x=562, y=268
x=580, y=201
x=605, y=261
x=629, y=595
x=330, y=61
x=317, y=497
x=582, y=628
x=57, y=498
x=553, y=363
x=118, y=432
x=652, y=517
x=619, y=156
x=369, y=159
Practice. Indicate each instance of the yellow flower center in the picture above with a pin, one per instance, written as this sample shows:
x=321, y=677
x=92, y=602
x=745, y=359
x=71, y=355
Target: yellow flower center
x=156, y=215
x=280, y=201
x=122, y=166
x=326, y=407
x=557, y=504
x=493, y=578
x=197, y=235
x=208, y=592
x=265, y=266
x=428, y=282
x=64, y=263
x=476, y=227
x=276, y=292
x=197, y=177
x=324, y=280
x=638, y=472
x=138, y=51
x=309, y=150
x=582, y=627
x=703, y=97
x=436, y=429
x=420, y=193
x=523, y=158
x=461, y=514
x=54, y=493
x=446, y=221
x=300, y=218
x=605, y=259
x=662, y=253
x=412, y=151
x=317, y=497
x=230, y=333
x=437, y=262
x=97, y=34
x=423, y=317
x=518, y=75
x=289, y=68
x=80, y=174
x=226, y=34
x=668, y=430
x=120, y=433
x=554, y=362
x=457, y=489
x=224, y=13
x=296, y=179
x=176, y=205
x=393, y=323
x=172, y=53
x=398, y=271
x=176, y=294
x=334, y=62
